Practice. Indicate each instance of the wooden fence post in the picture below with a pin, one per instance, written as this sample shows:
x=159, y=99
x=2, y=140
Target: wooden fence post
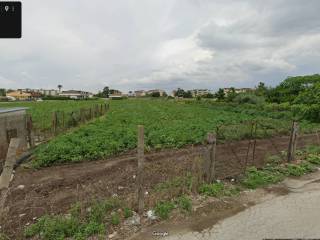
x=54, y=121
x=293, y=141
x=254, y=143
x=30, y=131
x=63, y=121
x=318, y=137
x=140, y=169
x=11, y=159
x=249, y=146
x=211, y=159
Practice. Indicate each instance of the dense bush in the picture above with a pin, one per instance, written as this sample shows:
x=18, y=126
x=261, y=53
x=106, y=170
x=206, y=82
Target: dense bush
x=248, y=98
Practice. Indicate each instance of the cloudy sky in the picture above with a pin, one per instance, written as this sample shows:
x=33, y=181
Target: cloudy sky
x=142, y=44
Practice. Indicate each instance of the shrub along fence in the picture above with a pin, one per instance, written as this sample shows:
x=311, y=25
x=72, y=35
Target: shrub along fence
x=62, y=121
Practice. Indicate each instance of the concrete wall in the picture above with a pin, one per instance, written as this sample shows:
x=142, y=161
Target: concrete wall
x=11, y=122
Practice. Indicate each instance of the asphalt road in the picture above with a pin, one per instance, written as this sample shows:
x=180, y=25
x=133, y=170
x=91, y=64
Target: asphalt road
x=296, y=215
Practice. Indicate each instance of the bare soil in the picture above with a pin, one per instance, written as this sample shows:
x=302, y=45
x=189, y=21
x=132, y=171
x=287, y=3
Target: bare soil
x=54, y=189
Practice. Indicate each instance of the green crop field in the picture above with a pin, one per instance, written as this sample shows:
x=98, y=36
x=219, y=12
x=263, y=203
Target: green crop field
x=41, y=112
x=168, y=124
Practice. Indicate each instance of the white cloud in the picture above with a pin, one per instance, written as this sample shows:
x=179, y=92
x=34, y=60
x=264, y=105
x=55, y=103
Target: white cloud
x=129, y=44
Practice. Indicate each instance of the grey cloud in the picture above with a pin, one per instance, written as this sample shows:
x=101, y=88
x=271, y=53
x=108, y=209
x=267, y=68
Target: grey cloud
x=129, y=44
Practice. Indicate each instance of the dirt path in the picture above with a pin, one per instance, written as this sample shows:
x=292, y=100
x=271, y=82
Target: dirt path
x=294, y=215
x=34, y=193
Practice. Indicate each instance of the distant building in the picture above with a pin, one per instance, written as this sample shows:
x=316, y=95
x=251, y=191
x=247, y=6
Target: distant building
x=199, y=92
x=149, y=92
x=51, y=92
x=76, y=94
x=19, y=95
x=43, y=92
x=237, y=90
x=140, y=93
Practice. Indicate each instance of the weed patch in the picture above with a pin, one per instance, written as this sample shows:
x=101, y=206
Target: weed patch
x=255, y=178
x=164, y=208
x=81, y=223
x=184, y=203
x=218, y=190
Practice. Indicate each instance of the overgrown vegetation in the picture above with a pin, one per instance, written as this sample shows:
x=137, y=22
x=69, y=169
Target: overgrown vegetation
x=163, y=209
x=218, y=189
x=81, y=223
x=275, y=172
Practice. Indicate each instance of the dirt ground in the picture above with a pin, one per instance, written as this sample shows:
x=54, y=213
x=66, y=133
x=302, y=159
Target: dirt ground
x=54, y=189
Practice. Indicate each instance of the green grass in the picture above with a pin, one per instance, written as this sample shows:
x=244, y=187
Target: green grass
x=255, y=178
x=82, y=222
x=41, y=112
x=168, y=124
x=184, y=203
x=218, y=190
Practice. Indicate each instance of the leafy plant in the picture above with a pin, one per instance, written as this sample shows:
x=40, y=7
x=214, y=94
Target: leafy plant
x=82, y=223
x=258, y=178
x=115, y=219
x=184, y=203
x=127, y=212
x=164, y=208
x=218, y=190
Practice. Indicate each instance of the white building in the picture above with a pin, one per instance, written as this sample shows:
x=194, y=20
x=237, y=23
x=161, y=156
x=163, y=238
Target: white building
x=75, y=94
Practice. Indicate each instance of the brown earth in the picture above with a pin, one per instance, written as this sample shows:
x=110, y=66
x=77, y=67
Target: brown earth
x=54, y=189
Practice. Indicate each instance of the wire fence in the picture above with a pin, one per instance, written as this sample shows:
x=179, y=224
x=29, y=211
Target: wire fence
x=61, y=122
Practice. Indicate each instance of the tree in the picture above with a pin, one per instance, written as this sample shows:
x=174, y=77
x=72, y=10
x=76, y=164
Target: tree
x=208, y=95
x=59, y=87
x=2, y=92
x=155, y=94
x=231, y=94
x=290, y=88
x=261, y=90
x=105, y=92
x=187, y=94
x=220, y=95
x=179, y=93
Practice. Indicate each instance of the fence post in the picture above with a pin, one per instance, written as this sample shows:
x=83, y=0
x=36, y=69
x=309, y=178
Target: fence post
x=13, y=151
x=254, y=143
x=318, y=137
x=211, y=160
x=54, y=121
x=29, y=131
x=63, y=121
x=140, y=169
x=249, y=145
x=293, y=141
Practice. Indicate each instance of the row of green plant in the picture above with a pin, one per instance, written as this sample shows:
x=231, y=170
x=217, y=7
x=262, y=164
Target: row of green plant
x=41, y=112
x=168, y=124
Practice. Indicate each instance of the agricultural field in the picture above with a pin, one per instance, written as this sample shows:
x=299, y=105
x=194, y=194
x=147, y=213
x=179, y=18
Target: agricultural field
x=168, y=124
x=41, y=112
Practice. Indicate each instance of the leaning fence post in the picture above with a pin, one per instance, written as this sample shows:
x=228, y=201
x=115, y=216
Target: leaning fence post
x=140, y=169
x=212, y=141
x=293, y=141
